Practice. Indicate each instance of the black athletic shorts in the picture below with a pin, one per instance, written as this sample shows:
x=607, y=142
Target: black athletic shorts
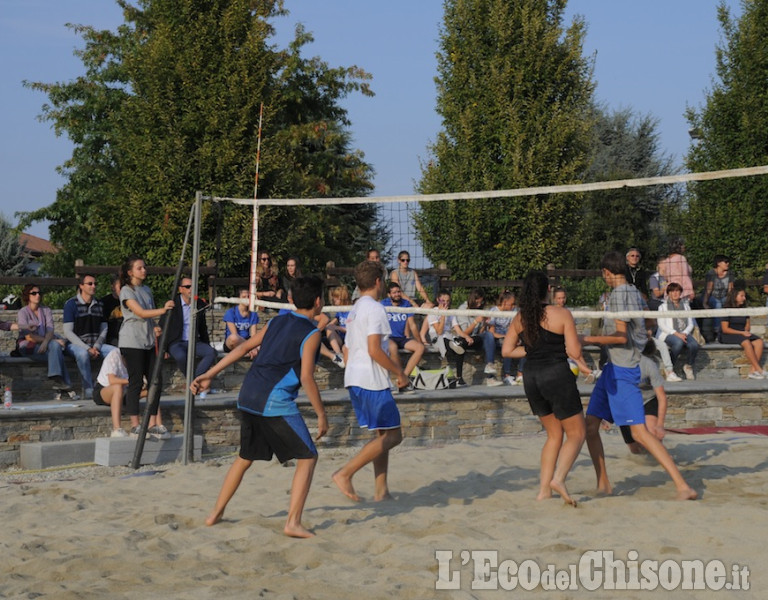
x=285, y=437
x=551, y=388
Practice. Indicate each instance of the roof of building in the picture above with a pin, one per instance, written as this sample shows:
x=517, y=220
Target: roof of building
x=37, y=246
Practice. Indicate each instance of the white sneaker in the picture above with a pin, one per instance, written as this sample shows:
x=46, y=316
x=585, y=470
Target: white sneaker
x=490, y=369
x=673, y=377
x=688, y=370
x=593, y=376
x=119, y=433
x=756, y=375
x=338, y=360
x=493, y=382
x=456, y=346
x=509, y=380
x=519, y=380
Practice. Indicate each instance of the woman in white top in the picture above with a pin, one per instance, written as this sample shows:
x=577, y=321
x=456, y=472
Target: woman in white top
x=109, y=388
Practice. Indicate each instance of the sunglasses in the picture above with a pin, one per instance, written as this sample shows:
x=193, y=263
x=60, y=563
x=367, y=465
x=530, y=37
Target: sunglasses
x=186, y=287
x=90, y=283
x=264, y=258
x=35, y=293
x=405, y=260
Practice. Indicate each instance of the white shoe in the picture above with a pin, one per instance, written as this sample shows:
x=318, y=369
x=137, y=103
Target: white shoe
x=493, y=382
x=490, y=369
x=593, y=376
x=456, y=345
x=519, y=380
x=688, y=370
x=756, y=375
x=119, y=433
x=202, y=395
x=509, y=380
x=673, y=377
x=338, y=360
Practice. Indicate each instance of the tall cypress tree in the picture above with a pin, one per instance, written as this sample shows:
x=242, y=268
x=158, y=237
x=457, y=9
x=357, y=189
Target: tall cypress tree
x=169, y=105
x=730, y=216
x=515, y=96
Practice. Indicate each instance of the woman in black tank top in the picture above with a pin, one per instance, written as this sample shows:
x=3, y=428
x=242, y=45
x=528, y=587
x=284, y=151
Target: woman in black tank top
x=548, y=336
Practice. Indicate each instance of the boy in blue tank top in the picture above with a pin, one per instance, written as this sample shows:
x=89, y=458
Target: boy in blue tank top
x=270, y=420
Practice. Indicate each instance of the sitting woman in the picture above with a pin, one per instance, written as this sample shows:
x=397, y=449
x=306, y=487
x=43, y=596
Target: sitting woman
x=268, y=283
x=109, y=389
x=38, y=341
x=734, y=329
x=336, y=329
x=677, y=331
x=292, y=273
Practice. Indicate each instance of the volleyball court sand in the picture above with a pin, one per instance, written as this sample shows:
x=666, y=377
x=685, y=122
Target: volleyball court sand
x=128, y=534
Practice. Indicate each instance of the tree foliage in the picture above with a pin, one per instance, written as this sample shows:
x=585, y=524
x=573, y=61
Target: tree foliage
x=169, y=104
x=14, y=259
x=515, y=96
x=730, y=216
x=624, y=146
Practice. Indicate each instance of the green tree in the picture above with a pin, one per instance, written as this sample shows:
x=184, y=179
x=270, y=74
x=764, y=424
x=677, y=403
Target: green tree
x=515, y=96
x=730, y=216
x=624, y=147
x=13, y=256
x=169, y=104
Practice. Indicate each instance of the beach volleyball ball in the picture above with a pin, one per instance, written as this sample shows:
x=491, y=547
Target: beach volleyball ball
x=574, y=367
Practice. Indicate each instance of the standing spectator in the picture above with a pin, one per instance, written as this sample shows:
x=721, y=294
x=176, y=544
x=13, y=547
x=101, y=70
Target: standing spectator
x=240, y=324
x=85, y=328
x=408, y=279
x=112, y=312
x=179, y=334
x=718, y=284
x=38, y=341
x=677, y=331
x=268, y=285
x=734, y=329
x=137, y=340
x=405, y=332
x=637, y=275
x=676, y=268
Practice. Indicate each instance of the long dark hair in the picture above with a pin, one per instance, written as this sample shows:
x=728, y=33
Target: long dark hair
x=532, y=305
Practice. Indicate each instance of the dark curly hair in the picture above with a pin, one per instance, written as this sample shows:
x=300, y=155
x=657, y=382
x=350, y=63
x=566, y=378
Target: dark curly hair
x=532, y=302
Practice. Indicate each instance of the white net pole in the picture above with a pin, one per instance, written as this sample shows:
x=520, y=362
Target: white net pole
x=255, y=227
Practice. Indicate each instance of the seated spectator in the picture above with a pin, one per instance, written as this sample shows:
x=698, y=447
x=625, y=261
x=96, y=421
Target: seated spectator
x=109, y=389
x=38, y=341
x=657, y=289
x=442, y=331
x=292, y=272
x=240, y=324
x=636, y=275
x=178, y=331
x=268, y=285
x=734, y=329
x=321, y=322
x=677, y=331
x=336, y=330
x=408, y=279
x=718, y=284
x=85, y=328
x=675, y=268
x=113, y=312
x=494, y=337
x=405, y=333
x=374, y=255
x=475, y=328
x=559, y=297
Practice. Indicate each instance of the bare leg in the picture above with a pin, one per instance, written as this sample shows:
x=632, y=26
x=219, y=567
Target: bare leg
x=549, y=454
x=228, y=488
x=383, y=442
x=659, y=452
x=750, y=353
x=113, y=395
x=302, y=479
x=575, y=432
x=417, y=348
x=597, y=454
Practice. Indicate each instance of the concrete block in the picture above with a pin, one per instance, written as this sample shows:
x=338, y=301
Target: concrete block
x=43, y=455
x=113, y=452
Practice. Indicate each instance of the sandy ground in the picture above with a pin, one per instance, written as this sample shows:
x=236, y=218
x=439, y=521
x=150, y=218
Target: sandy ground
x=116, y=533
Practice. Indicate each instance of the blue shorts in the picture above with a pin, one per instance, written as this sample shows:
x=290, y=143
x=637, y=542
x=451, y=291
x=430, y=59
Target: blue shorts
x=617, y=397
x=374, y=409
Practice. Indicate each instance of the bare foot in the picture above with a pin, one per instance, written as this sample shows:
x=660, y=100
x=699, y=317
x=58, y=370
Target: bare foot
x=385, y=496
x=544, y=494
x=560, y=488
x=687, y=494
x=604, y=490
x=214, y=517
x=345, y=485
x=297, y=531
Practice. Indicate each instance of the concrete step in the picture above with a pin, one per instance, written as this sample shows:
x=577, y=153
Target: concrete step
x=44, y=455
x=112, y=452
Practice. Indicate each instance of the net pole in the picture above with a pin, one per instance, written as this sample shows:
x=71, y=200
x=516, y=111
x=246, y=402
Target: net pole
x=255, y=227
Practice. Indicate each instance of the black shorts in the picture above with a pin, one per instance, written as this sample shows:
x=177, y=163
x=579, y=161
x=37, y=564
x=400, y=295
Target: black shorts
x=551, y=388
x=650, y=408
x=400, y=341
x=97, y=387
x=285, y=437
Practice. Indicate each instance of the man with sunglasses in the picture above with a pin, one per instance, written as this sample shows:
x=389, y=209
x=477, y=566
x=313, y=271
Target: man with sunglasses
x=85, y=328
x=178, y=331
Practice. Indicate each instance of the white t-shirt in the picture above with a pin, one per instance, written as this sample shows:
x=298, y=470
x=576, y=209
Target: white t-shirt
x=113, y=364
x=450, y=322
x=367, y=317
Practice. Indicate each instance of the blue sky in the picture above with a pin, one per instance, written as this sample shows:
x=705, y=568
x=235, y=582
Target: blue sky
x=655, y=56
